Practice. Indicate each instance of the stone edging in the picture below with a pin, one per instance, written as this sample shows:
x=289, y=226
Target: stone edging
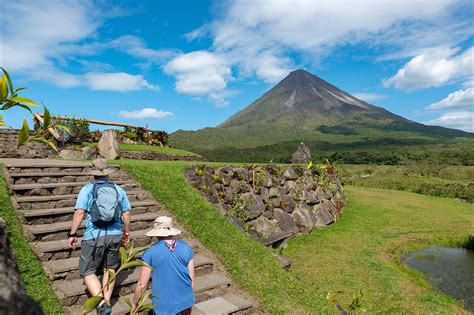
x=150, y=155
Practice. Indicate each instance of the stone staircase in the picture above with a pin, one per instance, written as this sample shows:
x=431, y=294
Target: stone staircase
x=44, y=192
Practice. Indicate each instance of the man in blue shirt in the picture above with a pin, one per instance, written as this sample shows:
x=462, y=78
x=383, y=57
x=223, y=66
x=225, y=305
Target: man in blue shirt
x=101, y=243
x=173, y=271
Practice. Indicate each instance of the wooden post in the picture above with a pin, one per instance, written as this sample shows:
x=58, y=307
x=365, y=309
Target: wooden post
x=94, y=121
x=51, y=130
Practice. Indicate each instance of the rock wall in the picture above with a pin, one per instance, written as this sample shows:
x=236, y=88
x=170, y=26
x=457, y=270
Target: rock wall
x=150, y=155
x=13, y=298
x=32, y=150
x=272, y=202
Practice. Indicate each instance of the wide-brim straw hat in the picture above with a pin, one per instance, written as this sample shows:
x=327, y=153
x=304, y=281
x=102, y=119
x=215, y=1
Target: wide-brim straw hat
x=163, y=226
x=100, y=168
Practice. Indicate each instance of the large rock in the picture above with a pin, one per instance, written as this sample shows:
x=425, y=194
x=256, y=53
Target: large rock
x=305, y=219
x=70, y=154
x=263, y=226
x=108, y=145
x=302, y=155
x=287, y=203
x=13, y=298
x=285, y=221
x=323, y=216
x=253, y=204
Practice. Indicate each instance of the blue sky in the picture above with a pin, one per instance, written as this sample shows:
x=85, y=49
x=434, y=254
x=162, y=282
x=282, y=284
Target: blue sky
x=192, y=64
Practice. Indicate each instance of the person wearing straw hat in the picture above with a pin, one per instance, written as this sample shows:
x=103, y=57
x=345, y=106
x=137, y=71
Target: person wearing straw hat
x=171, y=267
x=107, y=210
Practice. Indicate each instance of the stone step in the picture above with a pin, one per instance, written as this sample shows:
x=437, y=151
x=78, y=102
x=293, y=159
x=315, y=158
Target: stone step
x=49, y=174
x=229, y=303
x=52, y=250
x=55, y=185
x=206, y=287
x=70, y=210
x=21, y=199
x=68, y=268
x=58, y=231
x=42, y=163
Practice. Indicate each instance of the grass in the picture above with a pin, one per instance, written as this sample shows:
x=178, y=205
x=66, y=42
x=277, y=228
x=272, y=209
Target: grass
x=360, y=252
x=38, y=285
x=163, y=150
x=437, y=180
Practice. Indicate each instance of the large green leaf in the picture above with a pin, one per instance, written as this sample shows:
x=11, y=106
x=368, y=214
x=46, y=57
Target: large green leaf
x=62, y=127
x=129, y=303
x=46, y=118
x=23, y=100
x=132, y=264
x=3, y=88
x=9, y=81
x=91, y=304
x=45, y=141
x=24, y=133
x=146, y=307
x=123, y=255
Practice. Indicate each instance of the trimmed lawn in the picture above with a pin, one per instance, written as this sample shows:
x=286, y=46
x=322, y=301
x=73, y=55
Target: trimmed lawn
x=360, y=252
x=153, y=148
x=38, y=285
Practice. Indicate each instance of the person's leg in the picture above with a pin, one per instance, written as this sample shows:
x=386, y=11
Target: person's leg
x=108, y=287
x=93, y=284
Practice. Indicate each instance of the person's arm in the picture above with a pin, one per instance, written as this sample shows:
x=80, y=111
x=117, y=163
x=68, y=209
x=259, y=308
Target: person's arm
x=126, y=219
x=145, y=273
x=191, y=271
x=76, y=223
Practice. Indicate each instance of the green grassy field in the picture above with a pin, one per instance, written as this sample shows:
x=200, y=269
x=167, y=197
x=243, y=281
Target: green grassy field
x=164, y=150
x=455, y=181
x=360, y=252
x=38, y=285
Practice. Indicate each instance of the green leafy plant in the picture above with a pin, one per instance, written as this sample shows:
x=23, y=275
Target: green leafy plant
x=9, y=98
x=128, y=260
x=354, y=305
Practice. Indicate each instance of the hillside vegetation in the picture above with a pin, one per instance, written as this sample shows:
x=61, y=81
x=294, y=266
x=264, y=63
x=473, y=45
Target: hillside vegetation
x=359, y=252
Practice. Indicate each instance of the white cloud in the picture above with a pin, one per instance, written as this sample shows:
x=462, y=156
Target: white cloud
x=434, y=67
x=146, y=113
x=200, y=73
x=458, y=120
x=369, y=96
x=120, y=82
x=42, y=38
x=463, y=98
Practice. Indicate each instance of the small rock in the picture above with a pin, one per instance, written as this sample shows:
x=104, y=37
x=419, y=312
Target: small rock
x=285, y=262
x=89, y=153
x=288, y=186
x=263, y=226
x=274, y=192
x=289, y=174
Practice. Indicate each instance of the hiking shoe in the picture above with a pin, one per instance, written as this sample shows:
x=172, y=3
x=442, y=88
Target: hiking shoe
x=104, y=309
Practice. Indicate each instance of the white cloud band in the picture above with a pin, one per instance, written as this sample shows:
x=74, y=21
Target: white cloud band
x=146, y=113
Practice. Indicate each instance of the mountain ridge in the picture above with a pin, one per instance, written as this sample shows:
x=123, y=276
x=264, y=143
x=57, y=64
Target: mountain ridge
x=304, y=107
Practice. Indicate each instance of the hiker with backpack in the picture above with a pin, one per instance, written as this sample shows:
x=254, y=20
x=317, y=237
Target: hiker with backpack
x=107, y=211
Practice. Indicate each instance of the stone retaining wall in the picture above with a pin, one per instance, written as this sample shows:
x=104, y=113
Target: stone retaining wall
x=272, y=203
x=150, y=155
x=32, y=150
x=13, y=298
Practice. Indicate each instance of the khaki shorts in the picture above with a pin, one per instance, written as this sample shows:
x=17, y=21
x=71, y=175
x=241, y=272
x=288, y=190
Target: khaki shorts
x=99, y=253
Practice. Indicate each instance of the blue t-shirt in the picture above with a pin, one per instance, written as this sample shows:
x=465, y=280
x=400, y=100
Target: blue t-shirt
x=172, y=289
x=84, y=202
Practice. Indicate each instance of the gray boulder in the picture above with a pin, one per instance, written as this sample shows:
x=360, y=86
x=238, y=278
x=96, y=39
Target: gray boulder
x=287, y=203
x=290, y=174
x=302, y=155
x=323, y=216
x=108, y=145
x=288, y=186
x=305, y=219
x=285, y=221
x=254, y=205
x=89, y=153
x=263, y=226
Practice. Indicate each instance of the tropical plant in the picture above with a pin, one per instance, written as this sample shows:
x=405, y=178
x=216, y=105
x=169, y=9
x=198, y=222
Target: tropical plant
x=9, y=98
x=128, y=260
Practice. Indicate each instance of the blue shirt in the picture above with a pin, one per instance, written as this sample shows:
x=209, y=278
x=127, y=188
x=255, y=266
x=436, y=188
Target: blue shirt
x=172, y=289
x=84, y=202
